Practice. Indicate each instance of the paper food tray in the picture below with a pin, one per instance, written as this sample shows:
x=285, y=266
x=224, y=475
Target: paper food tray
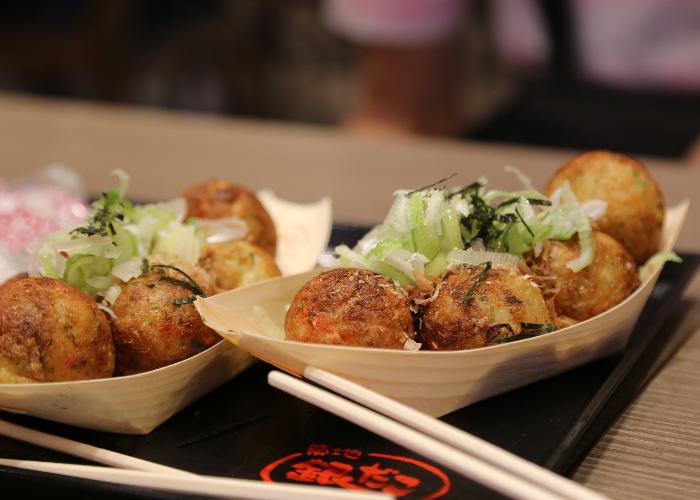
x=433, y=382
x=137, y=404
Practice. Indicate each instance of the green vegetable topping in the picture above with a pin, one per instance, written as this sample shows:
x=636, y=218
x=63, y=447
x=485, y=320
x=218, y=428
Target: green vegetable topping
x=116, y=242
x=477, y=281
x=427, y=228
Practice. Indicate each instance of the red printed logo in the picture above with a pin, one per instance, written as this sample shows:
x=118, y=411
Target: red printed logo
x=352, y=469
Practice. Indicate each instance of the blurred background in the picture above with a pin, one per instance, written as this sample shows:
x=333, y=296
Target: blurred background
x=580, y=74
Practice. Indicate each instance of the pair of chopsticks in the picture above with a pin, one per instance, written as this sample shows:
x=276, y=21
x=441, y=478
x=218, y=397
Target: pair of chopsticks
x=469, y=455
x=132, y=471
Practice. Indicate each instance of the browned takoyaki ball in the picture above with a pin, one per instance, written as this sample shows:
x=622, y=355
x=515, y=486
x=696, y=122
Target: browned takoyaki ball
x=217, y=199
x=636, y=206
x=607, y=281
x=51, y=331
x=351, y=307
x=232, y=264
x=477, y=305
x=151, y=329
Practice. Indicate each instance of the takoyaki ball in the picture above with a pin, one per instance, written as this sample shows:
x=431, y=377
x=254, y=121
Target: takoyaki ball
x=607, y=281
x=477, y=305
x=351, y=307
x=636, y=206
x=236, y=263
x=51, y=331
x=217, y=199
x=155, y=323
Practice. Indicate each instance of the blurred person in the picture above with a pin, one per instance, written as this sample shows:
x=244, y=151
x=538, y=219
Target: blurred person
x=622, y=75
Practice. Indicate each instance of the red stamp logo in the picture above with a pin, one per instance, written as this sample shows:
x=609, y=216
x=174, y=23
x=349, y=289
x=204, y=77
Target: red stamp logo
x=353, y=469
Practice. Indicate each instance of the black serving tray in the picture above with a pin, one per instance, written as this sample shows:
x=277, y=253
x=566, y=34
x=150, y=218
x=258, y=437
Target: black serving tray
x=247, y=429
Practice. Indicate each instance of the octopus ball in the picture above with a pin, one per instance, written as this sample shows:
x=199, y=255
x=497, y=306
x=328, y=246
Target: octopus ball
x=477, y=305
x=636, y=206
x=51, y=331
x=155, y=323
x=217, y=199
x=236, y=263
x=607, y=281
x=351, y=307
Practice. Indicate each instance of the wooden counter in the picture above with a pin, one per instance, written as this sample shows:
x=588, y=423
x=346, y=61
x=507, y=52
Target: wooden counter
x=652, y=451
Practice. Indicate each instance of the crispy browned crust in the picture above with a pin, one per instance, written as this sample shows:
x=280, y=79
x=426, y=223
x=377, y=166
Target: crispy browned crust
x=636, y=205
x=499, y=303
x=237, y=263
x=16, y=277
x=150, y=331
x=216, y=199
x=350, y=307
x=51, y=331
x=607, y=281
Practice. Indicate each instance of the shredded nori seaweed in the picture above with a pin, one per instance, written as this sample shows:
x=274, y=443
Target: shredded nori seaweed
x=190, y=284
x=180, y=271
x=531, y=201
x=538, y=328
x=110, y=206
x=185, y=300
x=184, y=284
x=517, y=212
x=433, y=184
x=486, y=222
x=528, y=331
x=498, y=332
x=479, y=278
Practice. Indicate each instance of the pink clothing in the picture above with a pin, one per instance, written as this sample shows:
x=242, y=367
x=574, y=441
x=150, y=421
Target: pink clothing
x=628, y=43
x=395, y=22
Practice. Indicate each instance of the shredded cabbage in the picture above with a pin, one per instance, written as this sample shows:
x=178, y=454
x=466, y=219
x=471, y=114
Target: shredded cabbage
x=224, y=229
x=116, y=242
x=471, y=257
x=655, y=262
x=429, y=231
x=266, y=324
x=582, y=226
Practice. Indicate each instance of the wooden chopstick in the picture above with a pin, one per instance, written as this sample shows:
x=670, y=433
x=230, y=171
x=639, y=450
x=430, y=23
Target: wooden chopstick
x=475, y=468
x=86, y=451
x=457, y=438
x=221, y=487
